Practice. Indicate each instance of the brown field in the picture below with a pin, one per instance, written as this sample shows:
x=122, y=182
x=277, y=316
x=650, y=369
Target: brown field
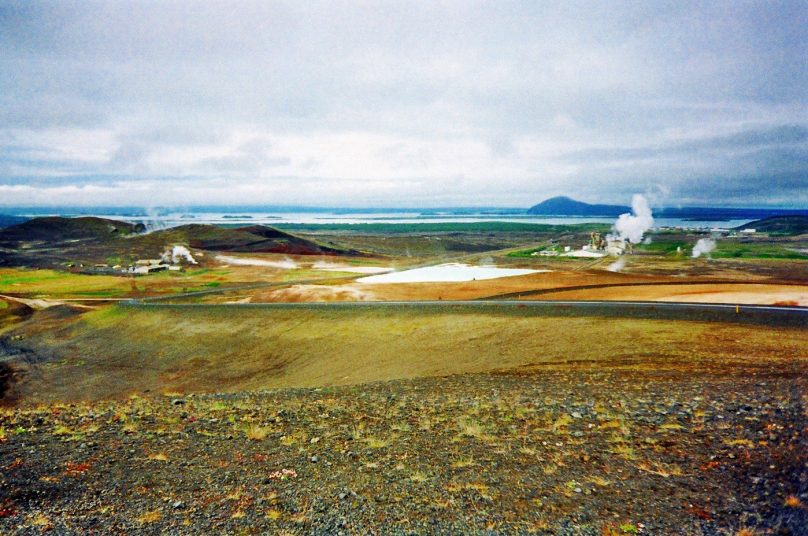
x=115, y=352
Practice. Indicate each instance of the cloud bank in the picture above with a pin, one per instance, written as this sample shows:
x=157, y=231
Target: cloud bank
x=410, y=104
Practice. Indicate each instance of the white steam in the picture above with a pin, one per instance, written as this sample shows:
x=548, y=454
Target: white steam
x=177, y=254
x=631, y=227
x=703, y=247
x=618, y=265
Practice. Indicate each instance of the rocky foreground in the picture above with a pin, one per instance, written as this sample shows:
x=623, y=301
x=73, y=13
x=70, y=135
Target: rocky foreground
x=588, y=452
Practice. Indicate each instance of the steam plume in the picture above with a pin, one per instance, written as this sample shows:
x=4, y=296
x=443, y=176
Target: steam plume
x=618, y=265
x=632, y=226
x=703, y=246
x=177, y=254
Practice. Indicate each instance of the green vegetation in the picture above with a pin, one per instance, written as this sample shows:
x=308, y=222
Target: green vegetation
x=471, y=227
x=61, y=285
x=52, y=282
x=3, y=304
x=526, y=253
x=727, y=249
x=665, y=246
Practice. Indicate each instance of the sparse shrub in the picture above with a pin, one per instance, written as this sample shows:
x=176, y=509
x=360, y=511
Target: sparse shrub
x=62, y=430
x=375, y=442
x=463, y=462
x=418, y=476
x=471, y=428
x=256, y=432
x=561, y=422
x=152, y=516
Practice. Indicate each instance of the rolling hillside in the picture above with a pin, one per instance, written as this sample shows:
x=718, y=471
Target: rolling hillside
x=55, y=242
x=781, y=225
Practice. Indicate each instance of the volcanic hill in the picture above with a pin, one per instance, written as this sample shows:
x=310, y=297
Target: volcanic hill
x=60, y=242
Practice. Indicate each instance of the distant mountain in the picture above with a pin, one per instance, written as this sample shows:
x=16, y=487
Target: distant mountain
x=564, y=206
x=782, y=225
x=8, y=221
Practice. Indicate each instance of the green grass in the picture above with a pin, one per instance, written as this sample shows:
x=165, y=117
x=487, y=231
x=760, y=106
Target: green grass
x=666, y=247
x=725, y=249
x=59, y=285
x=3, y=304
x=52, y=282
x=471, y=227
x=522, y=253
x=528, y=254
x=746, y=250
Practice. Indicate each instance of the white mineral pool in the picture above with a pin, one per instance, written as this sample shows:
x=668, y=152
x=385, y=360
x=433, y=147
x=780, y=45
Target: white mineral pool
x=452, y=272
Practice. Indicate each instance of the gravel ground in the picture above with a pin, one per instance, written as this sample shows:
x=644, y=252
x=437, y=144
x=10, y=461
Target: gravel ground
x=585, y=452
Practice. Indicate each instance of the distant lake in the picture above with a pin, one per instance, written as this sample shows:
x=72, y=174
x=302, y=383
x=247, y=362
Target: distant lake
x=242, y=218
x=264, y=218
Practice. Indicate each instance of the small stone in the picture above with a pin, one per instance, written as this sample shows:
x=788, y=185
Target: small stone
x=177, y=505
x=578, y=490
x=178, y=401
x=576, y=415
x=578, y=434
x=342, y=495
x=314, y=459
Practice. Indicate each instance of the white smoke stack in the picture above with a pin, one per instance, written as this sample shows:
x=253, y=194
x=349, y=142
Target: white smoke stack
x=177, y=254
x=703, y=247
x=632, y=226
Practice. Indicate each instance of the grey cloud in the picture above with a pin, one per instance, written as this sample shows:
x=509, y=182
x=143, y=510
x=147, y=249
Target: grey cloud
x=250, y=158
x=780, y=136
x=610, y=83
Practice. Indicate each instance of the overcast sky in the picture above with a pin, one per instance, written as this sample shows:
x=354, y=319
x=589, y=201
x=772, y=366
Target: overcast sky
x=403, y=103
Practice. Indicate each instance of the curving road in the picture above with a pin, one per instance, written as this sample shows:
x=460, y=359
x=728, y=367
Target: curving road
x=708, y=312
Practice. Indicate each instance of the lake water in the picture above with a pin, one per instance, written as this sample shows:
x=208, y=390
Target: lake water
x=173, y=219
x=446, y=273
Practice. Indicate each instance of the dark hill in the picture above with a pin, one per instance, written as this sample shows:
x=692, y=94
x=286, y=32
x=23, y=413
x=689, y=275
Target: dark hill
x=56, y=229
x=782, y=225
x=8, y=221
x=84, y=242
x=253, y=239
x=564, y=206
